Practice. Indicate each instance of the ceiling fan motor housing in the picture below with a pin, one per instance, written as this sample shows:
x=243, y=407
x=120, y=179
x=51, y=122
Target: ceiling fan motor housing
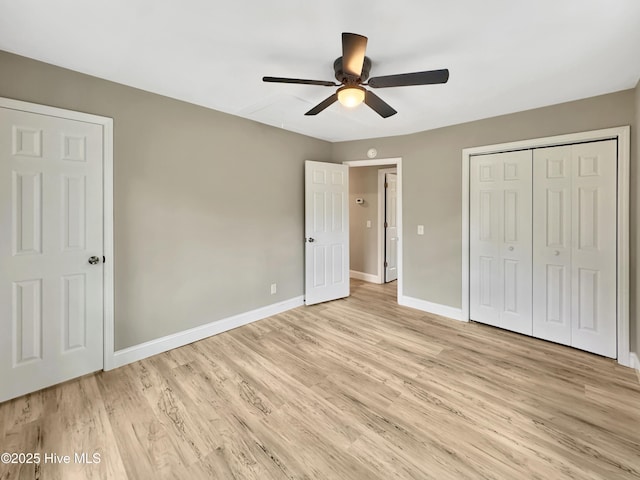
x=347, y=79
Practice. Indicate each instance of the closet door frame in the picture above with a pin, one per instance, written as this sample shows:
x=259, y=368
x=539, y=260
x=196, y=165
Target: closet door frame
x=622, y=135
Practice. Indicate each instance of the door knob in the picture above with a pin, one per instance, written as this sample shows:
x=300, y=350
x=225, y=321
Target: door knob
x=311, y=240
x=511, y=248
x=556, y=252
x=94, y=260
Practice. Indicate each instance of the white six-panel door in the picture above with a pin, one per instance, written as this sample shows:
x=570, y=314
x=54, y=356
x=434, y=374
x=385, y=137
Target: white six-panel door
x=552, y=240
x=391, y=228
x=51, y=298
x=326, y=232
x=500, y=240
x=593, y=263
x=575, y=246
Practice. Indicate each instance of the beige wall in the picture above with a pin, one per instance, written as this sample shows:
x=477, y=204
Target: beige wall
x=432, y=169
x=363, y=241
x=208, y=206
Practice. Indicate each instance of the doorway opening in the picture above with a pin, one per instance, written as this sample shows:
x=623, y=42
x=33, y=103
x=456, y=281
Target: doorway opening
x=376, y=250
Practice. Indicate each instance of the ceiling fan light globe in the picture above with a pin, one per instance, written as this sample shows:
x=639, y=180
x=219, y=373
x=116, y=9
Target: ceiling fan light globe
x=351, y=96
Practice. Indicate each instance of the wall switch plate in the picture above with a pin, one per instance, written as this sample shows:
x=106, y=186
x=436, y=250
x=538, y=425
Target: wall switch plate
x=420, y=229
x=368, y=223
x=274, y=288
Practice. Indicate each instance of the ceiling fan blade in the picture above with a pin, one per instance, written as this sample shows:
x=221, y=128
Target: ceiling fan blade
x=381, y=107
x=354, y=47
x=322, y=83
x=406, y=79
x=322, y=105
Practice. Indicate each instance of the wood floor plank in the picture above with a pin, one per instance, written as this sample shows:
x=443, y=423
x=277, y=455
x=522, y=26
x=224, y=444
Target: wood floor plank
x=359, y=388
x=142, y=439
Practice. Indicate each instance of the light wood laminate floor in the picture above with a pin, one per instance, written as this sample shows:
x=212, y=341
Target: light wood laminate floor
x=359, y=388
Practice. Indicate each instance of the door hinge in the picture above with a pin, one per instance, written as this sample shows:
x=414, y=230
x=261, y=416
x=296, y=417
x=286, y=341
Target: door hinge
x=386, y=225
x=386, y=264
x=104, y=259
x=386, y=185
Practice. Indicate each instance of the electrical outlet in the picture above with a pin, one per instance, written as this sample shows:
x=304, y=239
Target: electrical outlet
x=420, y=229
x=274, y=288
x=368, y=223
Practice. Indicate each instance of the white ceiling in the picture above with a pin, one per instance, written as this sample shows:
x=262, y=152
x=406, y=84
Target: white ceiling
x=503, y=55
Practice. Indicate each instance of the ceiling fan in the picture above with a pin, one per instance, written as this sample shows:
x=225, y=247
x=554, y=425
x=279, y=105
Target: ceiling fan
x=352, y=71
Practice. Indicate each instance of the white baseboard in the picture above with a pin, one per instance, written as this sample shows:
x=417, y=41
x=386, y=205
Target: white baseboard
x=367, y=277
x=159, y=345
x=436, y=308
x=634, y=361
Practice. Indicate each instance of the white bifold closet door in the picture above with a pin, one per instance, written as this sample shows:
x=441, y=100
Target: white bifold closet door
x=574, y=245
x=501, y=236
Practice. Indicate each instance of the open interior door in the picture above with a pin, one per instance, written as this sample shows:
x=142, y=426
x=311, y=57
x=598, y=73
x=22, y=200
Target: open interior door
x=326, y=232
x=391, y=228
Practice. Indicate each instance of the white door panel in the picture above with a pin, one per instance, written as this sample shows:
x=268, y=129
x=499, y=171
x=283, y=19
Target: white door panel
x=391, y=230
x=326, y=232
x=485, y=241
x=552, y=177
x=593, y=273
x=51, y=310
x=574, y=283
x=500, y=234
